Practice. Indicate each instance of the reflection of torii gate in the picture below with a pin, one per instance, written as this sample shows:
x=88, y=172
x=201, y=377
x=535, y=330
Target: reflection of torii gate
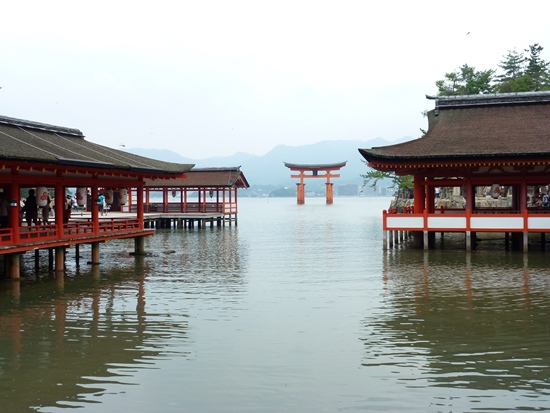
x=314, y=169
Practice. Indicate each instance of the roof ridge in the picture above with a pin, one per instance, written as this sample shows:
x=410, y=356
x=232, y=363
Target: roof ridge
x=40, y=126
x=489, y=99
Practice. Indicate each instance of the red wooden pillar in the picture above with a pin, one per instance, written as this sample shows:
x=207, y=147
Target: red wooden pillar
x=184, y=200
x=199, y=200
x=329, y=192
x=469, y=195
x=164, y=199
x=523, y=196
x=300, y=193
x=301, y=190
x=430, y=198
x=140, y=205
x=419, y=194
x=147, y=199
x=129, y=202
x=95, y=209
x=60, y=203
x=14, y=211
x=236, y=211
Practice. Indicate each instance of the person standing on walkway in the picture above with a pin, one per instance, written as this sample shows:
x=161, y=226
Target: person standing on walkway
x=46, y=212
x=31, y=209
x=4, y=211
x=67, y=209
x=101, y=202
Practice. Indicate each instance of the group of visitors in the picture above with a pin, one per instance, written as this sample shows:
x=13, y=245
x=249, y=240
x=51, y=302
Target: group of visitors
x=540, y=200
x=33, y=214
x=540, y=197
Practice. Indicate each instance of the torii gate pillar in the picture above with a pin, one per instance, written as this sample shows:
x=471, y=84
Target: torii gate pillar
x=328, y=191
x=312, y=171
x=301, y=193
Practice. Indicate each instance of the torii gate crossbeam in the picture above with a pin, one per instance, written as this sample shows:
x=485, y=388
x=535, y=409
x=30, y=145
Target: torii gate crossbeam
x=313, y=171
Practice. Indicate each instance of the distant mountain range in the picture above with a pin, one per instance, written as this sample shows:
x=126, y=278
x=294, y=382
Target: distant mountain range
x=269, y=169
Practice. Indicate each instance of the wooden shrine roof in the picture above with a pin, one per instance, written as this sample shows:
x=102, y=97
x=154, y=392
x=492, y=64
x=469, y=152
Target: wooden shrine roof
x=40, y=143
x=228, y=177
x=477, y=127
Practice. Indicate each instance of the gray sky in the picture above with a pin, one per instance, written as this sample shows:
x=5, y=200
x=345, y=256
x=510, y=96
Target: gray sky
x=211, y=78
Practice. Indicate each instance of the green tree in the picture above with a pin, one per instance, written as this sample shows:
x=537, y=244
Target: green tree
x=399, y=183
x=513, y=69
x=512, y=65
x=537, y=68
x=518, y=73
x=448, y=86
x=466, y=81
x=476, y=82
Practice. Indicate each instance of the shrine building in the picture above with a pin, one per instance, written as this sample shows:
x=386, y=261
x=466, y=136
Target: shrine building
x=50, y=162
x=492, y=151
x=201, y=195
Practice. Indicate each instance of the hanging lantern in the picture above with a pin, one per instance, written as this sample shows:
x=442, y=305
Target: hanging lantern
x=173, y=193
x=122, y=196
x=495, y=190
x=42, y=196
x=109, y=196
x=81, y=196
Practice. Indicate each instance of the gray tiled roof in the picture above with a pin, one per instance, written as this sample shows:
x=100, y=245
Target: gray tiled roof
x=206, y=177
x=504, y=126
x=222, y=176
x=27, y=141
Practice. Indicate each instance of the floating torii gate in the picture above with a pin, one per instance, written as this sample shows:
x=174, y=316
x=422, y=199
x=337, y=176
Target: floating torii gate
x=312, y=171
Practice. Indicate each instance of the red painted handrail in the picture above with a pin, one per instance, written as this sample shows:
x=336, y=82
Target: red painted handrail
x=469, y=216
x=40, y=233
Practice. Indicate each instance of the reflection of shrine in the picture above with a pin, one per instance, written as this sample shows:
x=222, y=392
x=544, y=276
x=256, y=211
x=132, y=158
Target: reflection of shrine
x=314, y=171
x=474, y=324
x=55, y=338
x=66, y=339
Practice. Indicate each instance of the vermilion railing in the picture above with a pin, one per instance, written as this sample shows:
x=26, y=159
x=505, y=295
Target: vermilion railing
x=40, y=233
x=190, y=207
x=230, y=208
x=118, y=225
x=37, y=232
x=535, y=220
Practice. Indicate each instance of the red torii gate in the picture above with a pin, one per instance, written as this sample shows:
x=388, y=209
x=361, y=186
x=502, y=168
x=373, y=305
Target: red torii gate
x=314, y=173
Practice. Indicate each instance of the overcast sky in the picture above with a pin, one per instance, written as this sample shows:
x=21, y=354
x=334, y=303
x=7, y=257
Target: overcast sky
x=211, y=78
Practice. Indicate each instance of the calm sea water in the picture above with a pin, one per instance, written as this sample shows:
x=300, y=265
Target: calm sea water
x=297, y=309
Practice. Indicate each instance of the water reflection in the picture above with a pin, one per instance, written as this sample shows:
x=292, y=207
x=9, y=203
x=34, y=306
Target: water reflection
x=61, y=341
x=299, y=312
x=216, y=254
x=67, y=339
x=464, y=321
